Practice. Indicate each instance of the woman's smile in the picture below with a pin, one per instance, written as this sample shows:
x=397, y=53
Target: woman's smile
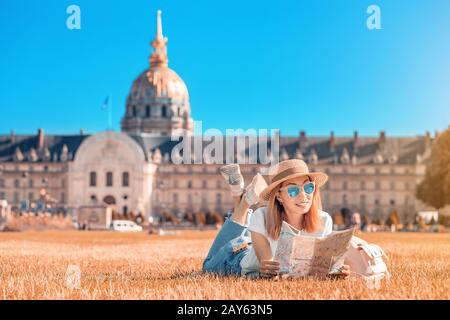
x=302, y=204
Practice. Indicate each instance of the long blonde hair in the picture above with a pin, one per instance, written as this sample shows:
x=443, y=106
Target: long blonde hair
x=276, y=214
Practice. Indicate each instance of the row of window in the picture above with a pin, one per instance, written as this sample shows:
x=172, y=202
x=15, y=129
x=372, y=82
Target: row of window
x=219, y=184
x=30, y=183
x=254, y=170
x=376, y=171
x=363, y=185
x=344, y=200
x=109, y=179
x=148, y=114
x=18, y=196
x=363, y=200
x=175, y=199
x=192, y=169
x=34, y=168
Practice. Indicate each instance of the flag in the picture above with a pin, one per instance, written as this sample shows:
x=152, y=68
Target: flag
x=105, y=103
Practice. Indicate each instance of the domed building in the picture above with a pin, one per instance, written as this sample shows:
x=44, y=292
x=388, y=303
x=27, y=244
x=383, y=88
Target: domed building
x=158, y=102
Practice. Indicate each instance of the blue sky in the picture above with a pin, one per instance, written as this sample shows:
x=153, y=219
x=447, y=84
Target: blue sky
x=295, y=65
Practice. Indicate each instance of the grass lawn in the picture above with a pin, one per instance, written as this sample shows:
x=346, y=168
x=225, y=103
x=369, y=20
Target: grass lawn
x=33, y=265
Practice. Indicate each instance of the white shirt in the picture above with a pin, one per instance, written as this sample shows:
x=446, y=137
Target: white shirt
x=250, y=262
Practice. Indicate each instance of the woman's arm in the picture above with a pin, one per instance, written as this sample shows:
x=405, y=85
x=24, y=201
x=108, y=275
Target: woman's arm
x=268, y=267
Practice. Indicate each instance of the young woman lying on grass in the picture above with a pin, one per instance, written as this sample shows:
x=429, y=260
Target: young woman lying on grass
x=247, y=242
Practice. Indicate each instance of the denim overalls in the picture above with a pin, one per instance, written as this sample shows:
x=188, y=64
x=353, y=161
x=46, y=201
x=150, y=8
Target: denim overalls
x=232, y=243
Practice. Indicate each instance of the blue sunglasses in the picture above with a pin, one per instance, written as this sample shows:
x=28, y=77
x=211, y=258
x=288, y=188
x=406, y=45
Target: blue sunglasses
x=294, y=190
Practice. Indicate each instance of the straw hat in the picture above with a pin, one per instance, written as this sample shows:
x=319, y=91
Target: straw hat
x=289, y=169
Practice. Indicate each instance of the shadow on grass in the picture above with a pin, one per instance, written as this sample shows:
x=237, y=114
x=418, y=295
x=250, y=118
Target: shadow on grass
x=199, y=275
x=192, y=274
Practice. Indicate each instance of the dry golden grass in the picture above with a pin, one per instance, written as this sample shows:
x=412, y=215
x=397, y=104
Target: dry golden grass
x=140, y=266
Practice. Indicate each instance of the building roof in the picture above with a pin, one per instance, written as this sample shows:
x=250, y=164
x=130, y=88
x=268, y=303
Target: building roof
x=56, y=147
x=315, y=150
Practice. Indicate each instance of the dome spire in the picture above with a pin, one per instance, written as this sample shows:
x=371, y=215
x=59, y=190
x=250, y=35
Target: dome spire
x=158, y=58
x=159, y=34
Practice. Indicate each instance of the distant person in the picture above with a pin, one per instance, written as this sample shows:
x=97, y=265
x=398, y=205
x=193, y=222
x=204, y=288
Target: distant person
x=346, y=214
x=356, y=220
x=364, y=222
x=208, y=218
x=139, y=219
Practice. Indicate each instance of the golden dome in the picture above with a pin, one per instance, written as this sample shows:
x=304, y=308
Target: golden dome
x=159, y=83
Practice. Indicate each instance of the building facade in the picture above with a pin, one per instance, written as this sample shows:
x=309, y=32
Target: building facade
x=133, y=170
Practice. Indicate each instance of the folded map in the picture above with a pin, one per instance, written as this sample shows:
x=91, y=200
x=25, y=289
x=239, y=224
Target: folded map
x=301, y=255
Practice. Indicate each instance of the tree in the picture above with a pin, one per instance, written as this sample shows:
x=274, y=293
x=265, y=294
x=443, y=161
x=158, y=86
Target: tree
x=434, y=190
x=393, y=219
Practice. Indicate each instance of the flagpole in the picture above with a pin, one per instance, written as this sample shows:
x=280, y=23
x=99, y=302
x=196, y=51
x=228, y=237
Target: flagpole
x=110, y=113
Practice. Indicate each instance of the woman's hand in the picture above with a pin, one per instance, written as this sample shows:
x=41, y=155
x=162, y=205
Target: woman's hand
x=269, y=268
x=344, y=272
